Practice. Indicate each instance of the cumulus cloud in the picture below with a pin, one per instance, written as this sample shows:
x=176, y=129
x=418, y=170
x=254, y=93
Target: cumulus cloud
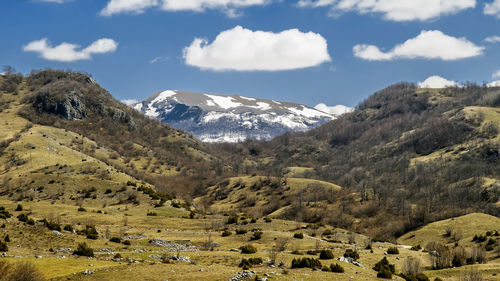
x=242, y=49
x=493, y=84
x=66, y=52
x=129, y=101
x=493, y=8
x=432, y=44
x=395, y=10
x=492, y=39
x=334, y=110
x=496, y=74
x=437, y=82
x=230, y=7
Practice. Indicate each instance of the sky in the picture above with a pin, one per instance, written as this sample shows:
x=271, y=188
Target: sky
x=306, y=51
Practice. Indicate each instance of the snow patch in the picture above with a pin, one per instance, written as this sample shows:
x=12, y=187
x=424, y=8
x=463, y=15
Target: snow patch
x=224, y=102
x=336, y=110
x=308, y=112
x=246, y=98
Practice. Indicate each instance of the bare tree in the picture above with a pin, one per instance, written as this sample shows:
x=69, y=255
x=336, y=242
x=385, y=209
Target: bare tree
x=472, y=275
x=412, y=266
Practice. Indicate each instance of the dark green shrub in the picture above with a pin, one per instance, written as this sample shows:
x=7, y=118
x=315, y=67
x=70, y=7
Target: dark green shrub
x=52, y=225
x=232, y=220
x=492, y=241
x=241, y=231
x=298, y=235
x=253, y=220
x=415, y=277
x=384, y=264
x=108, y=191
x=84, y=250
x=23, y=217
x=4, y=214
x=306, y=263
x=117, y=256
x=325, y=255
x=152, y=214
x=416, y=248
x=115, y=240
x=68, y=227
x=126, y=243
x=19, y=208
x=336, y=268
x=350, y=253
x=3, y=247
x=327, y=232
x=393, y=251
x=248, y=249
x=384, y=273
x=326, y=268
x=7, y=238
x=81, y=209
x=31, y=221
x=268, y=220
x=226, y=233
x=257, y=235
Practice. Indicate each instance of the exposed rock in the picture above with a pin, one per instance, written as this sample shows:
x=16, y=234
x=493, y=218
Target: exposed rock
x=242, y=276
x=57, y=233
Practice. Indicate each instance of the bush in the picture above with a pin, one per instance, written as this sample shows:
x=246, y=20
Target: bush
x=336, y=268
x=108, y=191
x=22, y=271
x=382, y=266
x=248, y=249
x=68, y=227
x=241, y=231
x=31, y=221
x=7, y=238
x=416, y=248
x=117, y=256
x=23, y=217
x=415, y=277
x=232, y=220
x=384, y=273
x=325, y=255
x=4, y=214
x=350, y=253
x=306, y=263
x=115, y=240
x=257, y=235
x=81, y=209
x=247, y=263
x=152, y=214
x=298, y=235
x=19, y=208
x=268, y=220
x=3, y=247
x=126, y=243
x=52, y=225
x=327, y=232
x=393, y=251
x=90, y=232
x=326, y=269
x=84, y=250
x=226, y=233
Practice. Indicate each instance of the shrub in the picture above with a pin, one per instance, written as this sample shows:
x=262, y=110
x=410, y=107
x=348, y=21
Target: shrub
x=23, y=217
x=326, y=268
x=268, y=220
x=115, y=240
x=383, y=265
x=393, y=251
x=7, y=238
x=117, y=256
x=336, y=268
x=479, y=238
x=232, y=220
x=81, y=209
x=90, y=232
x=22, y=271
x=3, y=247
x=241, y=231
x=415, y=277
x=298, y=235
x=327, y=232
x=350, y=253
x=226, y=233
x=108, y=191
x=325, y=255
x=31, y=221
x=52, y=225
x=253, y=220
x=152, y=214
x=19, y=208
x=416, y=248
x=84, y=250
x=126, y=243
x=68, y=227
x=247, y=263
x=306, y=263
x=4, y=214
x=384, y=273
x=257, y=235
x=248, y=249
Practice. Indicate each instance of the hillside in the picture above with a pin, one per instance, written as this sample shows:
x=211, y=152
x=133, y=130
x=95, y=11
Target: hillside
x=409, y=154
x=230, y=118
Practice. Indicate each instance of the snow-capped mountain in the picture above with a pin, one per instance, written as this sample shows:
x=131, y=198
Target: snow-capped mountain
x=230, y=118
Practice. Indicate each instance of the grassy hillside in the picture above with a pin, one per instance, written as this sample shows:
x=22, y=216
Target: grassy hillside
x=408, y=154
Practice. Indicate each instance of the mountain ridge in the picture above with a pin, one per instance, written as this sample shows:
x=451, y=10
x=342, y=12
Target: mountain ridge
x=230, y=118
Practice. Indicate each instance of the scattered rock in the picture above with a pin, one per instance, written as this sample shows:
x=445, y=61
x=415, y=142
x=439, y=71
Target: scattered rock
x=57, y=233
x=171, y=246
x=38, y=257
x=242, y=275
x=88, y=272
x=134, y=237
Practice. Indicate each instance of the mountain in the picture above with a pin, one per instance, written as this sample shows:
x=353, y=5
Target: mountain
x=231, y=118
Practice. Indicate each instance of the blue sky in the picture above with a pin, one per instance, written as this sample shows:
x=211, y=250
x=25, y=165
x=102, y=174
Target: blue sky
x=119, y=45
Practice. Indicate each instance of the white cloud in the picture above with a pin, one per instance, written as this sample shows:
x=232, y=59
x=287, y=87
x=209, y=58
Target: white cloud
x=130, y=101
x=496, y=74
x=437, y=82
x=157, y=59
x=431, y=44
x=54, y=1
x=66, y=52
x=395, y=10
x=242, y=49
x=493, y=8
x=494, y=84
x=230, y=7
x=334, y=110
x=492, y=39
